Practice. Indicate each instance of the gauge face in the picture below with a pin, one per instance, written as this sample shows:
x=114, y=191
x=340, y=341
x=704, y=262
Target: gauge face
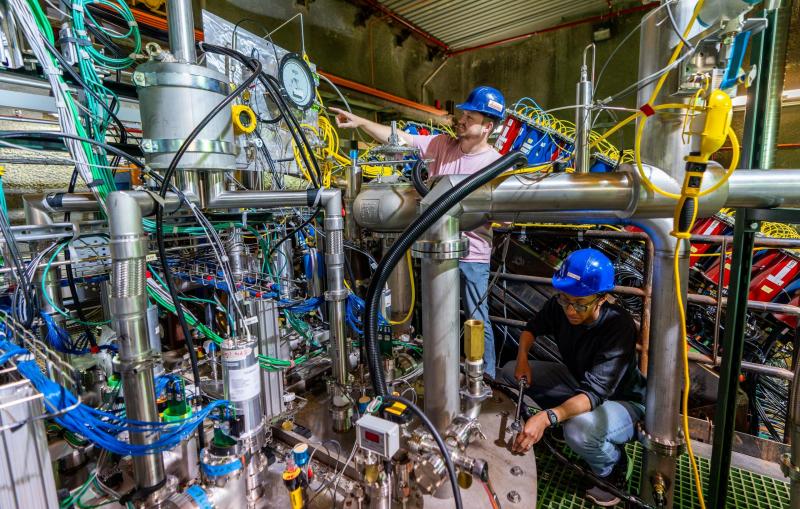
x=297, y=81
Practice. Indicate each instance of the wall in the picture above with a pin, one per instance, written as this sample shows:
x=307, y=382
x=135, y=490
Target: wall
x=545, y=68
x=368, y=54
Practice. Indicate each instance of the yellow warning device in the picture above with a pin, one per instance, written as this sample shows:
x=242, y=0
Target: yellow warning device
x=244, y=119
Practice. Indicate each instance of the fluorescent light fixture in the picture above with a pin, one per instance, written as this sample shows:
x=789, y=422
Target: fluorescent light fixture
x=788, y=96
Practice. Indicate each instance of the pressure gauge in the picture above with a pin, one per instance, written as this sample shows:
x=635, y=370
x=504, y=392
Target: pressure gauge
x=298, y=82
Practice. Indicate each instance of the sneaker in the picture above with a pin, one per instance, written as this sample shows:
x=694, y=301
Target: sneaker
x=601, y=497
x=618, y=477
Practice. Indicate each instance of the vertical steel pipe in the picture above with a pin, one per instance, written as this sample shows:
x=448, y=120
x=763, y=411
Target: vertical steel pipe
x=128, y=303
x=664, y=380
x=181, y=30
x=583, y=114
x=440, y=249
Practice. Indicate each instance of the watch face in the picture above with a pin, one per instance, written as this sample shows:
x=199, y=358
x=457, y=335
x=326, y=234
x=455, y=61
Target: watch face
x=297, y=81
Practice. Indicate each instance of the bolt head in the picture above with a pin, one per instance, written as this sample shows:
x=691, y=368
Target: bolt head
x=513, y=497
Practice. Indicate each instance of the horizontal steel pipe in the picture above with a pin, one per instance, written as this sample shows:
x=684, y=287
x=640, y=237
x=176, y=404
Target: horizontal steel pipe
x=760, y=241
x=538, y=280
x=763, y=369
x=767, y=307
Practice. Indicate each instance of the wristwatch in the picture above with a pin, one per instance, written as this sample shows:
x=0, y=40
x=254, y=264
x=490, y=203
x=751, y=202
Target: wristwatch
x=553, y=418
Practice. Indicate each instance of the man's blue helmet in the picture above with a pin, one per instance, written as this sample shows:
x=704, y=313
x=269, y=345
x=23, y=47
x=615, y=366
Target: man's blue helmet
x=585, y=272
x=486, y=100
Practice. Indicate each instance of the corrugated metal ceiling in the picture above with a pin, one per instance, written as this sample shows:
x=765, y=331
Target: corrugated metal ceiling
x=464, y=24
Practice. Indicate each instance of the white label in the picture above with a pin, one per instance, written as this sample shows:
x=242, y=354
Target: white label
x=250, y=320
x=496, y=106
x=710, y=228
x=243, y=384
x=778, y=278
x=235, y=355
x=151, y=257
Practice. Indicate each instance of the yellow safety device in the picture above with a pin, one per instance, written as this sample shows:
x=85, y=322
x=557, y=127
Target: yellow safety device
x=244, y=119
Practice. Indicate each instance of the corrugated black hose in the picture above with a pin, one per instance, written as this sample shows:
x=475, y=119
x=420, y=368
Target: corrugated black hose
x=404, y=243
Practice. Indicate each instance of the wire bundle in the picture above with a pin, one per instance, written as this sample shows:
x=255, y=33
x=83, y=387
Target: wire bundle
x=99, y=427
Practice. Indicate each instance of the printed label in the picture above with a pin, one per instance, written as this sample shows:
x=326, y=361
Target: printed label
x=244, y=384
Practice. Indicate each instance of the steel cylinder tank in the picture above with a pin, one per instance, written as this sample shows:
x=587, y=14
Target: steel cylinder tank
x=174, y=97
x=242, y=378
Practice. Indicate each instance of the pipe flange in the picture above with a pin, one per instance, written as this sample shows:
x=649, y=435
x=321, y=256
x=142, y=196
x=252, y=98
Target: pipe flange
x=789, y=469
x=336, y=295
x=486, y=393
x=669, y=448
x=440, y=250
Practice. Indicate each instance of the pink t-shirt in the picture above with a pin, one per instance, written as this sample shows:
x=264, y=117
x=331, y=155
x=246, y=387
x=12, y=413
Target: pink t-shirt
x=448, y=159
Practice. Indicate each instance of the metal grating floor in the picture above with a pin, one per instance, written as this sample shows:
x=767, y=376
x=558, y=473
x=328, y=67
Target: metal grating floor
x=561, y=488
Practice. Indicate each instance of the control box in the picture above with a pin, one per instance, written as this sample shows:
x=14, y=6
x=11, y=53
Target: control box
x=378, y=435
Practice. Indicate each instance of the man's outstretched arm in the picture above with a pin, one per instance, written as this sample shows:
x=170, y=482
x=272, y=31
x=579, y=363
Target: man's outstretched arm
x=381, y=133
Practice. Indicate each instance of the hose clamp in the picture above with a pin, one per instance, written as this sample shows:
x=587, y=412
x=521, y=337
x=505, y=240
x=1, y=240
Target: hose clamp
x=659, y=446
x=151, y=146
x=336, y=295
x=183, y=80
x=440, y=250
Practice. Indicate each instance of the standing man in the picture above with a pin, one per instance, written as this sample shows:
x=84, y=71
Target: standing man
x=467, y=153
x=597, y=395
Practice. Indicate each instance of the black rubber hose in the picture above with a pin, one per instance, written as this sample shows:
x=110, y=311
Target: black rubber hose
x=416, y=177
x=448, y=461
x=162, y=250
x=404, y=243
x=273, y=86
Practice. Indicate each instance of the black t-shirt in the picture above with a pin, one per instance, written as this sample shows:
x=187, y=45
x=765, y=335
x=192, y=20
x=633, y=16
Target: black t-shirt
x=601, y=356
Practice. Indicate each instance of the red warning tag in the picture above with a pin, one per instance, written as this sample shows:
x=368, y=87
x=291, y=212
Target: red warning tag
x=647, y=110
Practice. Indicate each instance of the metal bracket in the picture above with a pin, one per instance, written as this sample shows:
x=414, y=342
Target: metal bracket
x=788, y=468
x=34, y=233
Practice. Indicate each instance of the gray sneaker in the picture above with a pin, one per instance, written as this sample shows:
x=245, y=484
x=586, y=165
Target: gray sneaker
x=601, y=497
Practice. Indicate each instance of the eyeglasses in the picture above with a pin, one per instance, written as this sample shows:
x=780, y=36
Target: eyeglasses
x=579, y=308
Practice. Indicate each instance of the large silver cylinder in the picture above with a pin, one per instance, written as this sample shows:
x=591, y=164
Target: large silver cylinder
x=440, y=249
x=173, y=98
x=180, y=22
x=400, y=287
x=269, y=344
x=663, y=145
x=128, y=306
x=242, y=381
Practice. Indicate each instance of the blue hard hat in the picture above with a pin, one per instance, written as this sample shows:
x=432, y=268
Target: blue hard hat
x=486, y=100
x=585, y=272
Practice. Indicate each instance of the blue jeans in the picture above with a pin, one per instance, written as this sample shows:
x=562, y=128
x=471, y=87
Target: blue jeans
x=474, y=285
x=597, y=435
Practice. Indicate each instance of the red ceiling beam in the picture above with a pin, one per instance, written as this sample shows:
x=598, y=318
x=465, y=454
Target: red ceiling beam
x=375, y=4
x=364, y=89
x=153, y=21
x=590, y=19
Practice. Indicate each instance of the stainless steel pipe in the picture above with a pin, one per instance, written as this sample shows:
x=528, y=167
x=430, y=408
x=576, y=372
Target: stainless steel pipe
x=180, y=22
x=128, y=303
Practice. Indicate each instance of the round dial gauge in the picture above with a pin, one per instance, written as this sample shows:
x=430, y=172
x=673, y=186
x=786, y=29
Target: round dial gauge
x=297, y=80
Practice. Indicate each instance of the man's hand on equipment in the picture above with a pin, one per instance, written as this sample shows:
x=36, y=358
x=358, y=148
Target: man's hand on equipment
x=523, y=369
x=531, y=433
x=345, y=119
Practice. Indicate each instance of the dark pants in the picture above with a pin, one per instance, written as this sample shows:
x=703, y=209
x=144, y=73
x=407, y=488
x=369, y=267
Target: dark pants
x=596, y=436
